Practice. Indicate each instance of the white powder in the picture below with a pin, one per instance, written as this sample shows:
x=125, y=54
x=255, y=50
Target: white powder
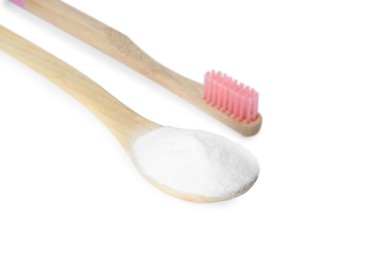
x=195, y=162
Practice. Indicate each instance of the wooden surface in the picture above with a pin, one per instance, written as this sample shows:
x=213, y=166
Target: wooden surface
x=121, y=48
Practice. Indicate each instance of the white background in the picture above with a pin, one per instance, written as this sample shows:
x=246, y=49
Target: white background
x=69, y=191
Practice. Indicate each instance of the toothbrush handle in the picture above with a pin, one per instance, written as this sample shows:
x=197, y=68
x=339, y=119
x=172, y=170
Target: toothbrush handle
x=122, y=121
x=121, y=48
x=110, y=42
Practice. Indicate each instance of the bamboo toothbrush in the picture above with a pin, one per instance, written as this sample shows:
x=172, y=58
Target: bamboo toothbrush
x=225, y=99
x=125, y=124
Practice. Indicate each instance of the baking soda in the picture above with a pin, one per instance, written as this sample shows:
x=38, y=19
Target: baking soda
x=195, y=162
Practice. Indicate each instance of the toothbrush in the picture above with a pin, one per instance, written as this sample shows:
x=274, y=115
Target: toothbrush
x=131, y=128
x=230, y=102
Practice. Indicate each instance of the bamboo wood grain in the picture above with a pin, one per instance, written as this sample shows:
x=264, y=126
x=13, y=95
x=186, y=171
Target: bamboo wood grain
x=121, y=48
x=123, y=122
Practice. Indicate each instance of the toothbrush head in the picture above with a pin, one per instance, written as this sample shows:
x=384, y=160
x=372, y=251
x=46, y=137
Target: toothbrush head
x=231, y=97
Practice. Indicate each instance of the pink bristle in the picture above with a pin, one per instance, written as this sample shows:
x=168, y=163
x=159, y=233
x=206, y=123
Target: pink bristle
x=214, y=93
x=230, y=102
x=228, y=95
x=215, y=96
x=255, y=105
x=235, y=85
x=206, y=93
x=242, y=108
x=225, y=99
x=236, y=108
x=218, y=76
x=249, y=111
x=219, y=96
x=247, y=104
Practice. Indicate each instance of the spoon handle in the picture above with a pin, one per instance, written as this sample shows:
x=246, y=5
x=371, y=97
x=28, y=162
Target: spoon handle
x=122, y=121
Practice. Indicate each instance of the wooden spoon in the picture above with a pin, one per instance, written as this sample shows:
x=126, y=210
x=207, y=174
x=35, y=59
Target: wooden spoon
x=123, y=122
